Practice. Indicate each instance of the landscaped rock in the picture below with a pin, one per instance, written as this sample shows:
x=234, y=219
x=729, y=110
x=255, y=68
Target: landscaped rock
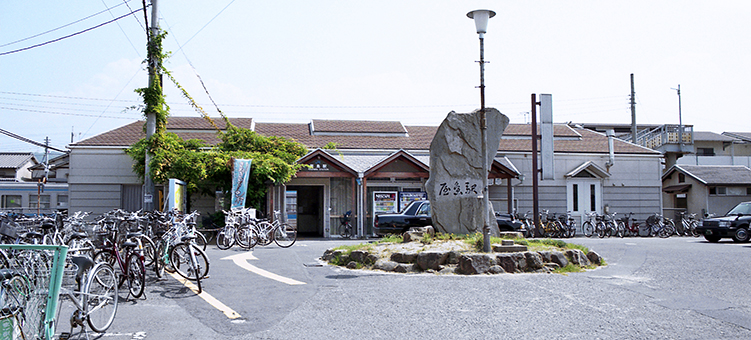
x=385, y=265
x=453, y=257
x=361, y=256
x=404, y=257
x=507, y=262
x=496, y=270
x=431, y=260
x=352, y=265
x=577, y=257
x=406, y=268
x=417, y=233
x=594, y=258
x=475, y=263
x=558, y=258
x=534, y=260
x=456, y=174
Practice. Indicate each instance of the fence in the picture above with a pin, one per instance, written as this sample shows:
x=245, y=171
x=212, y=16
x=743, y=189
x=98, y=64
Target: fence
x=31, y=278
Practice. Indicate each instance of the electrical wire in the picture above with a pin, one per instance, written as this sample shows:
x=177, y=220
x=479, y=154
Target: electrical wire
x=55, y=29
x=68, y=36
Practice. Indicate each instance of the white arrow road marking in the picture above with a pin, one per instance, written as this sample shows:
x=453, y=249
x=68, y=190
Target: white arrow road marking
x=242, y=261
x=229, y=312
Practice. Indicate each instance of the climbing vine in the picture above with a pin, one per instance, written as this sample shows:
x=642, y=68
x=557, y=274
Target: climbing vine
x=205, y=168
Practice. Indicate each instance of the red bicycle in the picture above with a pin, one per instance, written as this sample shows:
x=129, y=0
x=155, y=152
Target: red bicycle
x=632, y=229
x=130, y=263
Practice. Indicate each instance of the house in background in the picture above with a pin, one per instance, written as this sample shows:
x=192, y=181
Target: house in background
x=21, y=189
x=705, y=189
x=728, y=148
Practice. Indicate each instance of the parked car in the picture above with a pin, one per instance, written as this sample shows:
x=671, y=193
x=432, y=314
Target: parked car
x=417, y=214
x=735, y=225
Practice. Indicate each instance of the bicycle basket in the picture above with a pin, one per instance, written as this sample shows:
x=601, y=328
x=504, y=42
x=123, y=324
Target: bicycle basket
x=652, y=219
x=7, y=230
x=346, y=217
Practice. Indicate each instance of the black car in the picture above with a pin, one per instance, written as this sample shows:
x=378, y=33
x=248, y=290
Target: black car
x=417, y=214
x=735, y=225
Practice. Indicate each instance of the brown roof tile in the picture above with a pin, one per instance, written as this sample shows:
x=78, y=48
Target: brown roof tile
x=356, y=126
x=569, y=140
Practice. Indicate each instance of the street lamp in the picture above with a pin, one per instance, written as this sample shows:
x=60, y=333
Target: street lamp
x=481, y=17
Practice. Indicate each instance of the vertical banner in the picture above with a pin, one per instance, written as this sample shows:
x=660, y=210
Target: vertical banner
x=240, y=174
x=176, y=195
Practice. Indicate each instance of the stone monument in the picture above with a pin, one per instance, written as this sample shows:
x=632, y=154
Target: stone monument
x=455, y=184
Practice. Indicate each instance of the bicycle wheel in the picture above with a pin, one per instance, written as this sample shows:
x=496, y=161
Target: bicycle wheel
x=159, y=258
x=263, y=233
x=100, y=297
x=601, y=232
x=243, y=237
x=149, y=251
x=180, y=258
x=136, y=275
x=285, y=235
x=225, y=239
x=620, y=229
x=571, y=229
x=200, y=240
x=346, y=230
x=588, y=229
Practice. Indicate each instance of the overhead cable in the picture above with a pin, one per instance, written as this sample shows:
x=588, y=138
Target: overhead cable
x=70, y=35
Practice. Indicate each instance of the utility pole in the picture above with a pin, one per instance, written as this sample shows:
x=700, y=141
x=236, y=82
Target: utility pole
x=680, y=118
x=148, y=186
x=633, y=111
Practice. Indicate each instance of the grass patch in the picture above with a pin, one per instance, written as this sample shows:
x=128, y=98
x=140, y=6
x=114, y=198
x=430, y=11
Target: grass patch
x=569, y=268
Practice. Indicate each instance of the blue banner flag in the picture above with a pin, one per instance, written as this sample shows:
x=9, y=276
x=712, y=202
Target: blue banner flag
x=240, y=174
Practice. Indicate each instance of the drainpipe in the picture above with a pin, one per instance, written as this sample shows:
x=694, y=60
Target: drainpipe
x=360, y=205
x=611, y=160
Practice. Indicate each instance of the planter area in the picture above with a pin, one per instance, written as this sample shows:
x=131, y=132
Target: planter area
x=457, y=257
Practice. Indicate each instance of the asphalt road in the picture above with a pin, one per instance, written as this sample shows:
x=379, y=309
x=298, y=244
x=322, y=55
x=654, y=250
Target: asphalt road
x=676, y=288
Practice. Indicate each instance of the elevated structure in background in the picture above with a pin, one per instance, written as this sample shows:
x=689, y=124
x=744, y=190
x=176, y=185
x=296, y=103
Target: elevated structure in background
x=672, y=140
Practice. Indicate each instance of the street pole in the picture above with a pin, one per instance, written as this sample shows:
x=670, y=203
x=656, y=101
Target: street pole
x=148, y=186
x=481, y=22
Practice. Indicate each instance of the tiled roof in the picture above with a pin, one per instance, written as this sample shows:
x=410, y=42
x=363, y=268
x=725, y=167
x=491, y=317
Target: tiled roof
x=185, y=127
x=715, y=174
x=356, y=126
x=745, y=136
x=708, y=136
x=516, y=137
x=14, y=160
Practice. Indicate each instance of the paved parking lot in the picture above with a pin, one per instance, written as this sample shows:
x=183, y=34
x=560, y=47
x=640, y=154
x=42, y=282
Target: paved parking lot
x=679, y=288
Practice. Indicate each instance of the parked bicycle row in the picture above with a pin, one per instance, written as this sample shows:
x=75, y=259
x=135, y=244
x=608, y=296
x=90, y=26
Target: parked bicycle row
x=242, y=228
x=606, y=225
x=118, y=242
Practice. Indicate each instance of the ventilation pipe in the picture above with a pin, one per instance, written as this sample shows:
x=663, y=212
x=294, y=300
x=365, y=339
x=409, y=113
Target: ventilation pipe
x=610, y=133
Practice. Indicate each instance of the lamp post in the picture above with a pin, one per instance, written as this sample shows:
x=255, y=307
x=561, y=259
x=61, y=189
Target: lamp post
x=481, y=17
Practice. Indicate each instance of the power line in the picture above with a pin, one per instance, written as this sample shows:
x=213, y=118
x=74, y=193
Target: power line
x=68, y=36
x=24, y=139
x=55, y=29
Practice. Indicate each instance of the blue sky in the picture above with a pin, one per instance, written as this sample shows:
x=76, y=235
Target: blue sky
x=412, y=61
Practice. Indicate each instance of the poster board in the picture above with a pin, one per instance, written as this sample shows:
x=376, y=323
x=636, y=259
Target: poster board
x=176, y=195
x=384, y=202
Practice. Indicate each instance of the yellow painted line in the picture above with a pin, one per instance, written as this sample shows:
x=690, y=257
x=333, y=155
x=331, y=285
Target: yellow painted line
x=229, y=312
x=242, y=261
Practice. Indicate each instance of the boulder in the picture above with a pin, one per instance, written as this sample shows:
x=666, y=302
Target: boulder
x=558, y=258
x=534, y=260
x=363, y=257
x=455, y=185
x=453, y=257
x=470, y=264
x=406, y=268
x=594, y=258
x=385, y=265
x=417, y=233
x=404, y=257
x=577, y=257
x=496, y=270
x=507, y=262
x=431, y=260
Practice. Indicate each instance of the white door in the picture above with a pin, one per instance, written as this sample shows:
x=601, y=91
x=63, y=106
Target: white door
x=583, y=196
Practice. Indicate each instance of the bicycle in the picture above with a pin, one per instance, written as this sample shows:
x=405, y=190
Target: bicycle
x=656, y=226
x=689, y=224
x=95, y=297
x=568, y=225
x=552, y=227
x=589, y=227
x=345, y=228
x=130, y=263
x=177, y=251
x=283, y=234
